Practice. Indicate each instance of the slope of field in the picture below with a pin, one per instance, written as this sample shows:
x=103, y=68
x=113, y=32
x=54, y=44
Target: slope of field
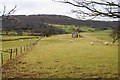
x=57, y=57
x=99, y=36
x=70, y=28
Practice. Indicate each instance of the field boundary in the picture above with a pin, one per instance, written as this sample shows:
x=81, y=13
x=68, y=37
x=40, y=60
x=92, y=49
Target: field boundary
x=18, y=38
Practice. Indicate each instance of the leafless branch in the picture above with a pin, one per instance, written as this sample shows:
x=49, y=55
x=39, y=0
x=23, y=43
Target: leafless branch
x=7, y=15
x=107, y=9
x=12, y=11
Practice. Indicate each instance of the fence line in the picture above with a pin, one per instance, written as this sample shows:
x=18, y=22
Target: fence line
x=15, y=51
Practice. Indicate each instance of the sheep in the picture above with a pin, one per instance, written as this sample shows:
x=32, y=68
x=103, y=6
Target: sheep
x=29, y=39
x=60, y=39
x=91, y=43
x=106, y=43
x=71, y=40
x=20, y=40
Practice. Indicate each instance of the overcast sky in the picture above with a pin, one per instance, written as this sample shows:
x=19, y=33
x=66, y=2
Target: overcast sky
x=29, y=7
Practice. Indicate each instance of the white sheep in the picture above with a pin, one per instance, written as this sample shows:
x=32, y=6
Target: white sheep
x=29, y=39
x=91, y=43
x=21, y=40
x=71, y=40
x=106, y=43
x=60, y=39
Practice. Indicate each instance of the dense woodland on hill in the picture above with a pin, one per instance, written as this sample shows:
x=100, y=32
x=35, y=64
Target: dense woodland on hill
x=38, y=24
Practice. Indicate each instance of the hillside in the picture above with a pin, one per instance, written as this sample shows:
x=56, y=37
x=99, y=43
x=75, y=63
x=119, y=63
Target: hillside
x=35, y=20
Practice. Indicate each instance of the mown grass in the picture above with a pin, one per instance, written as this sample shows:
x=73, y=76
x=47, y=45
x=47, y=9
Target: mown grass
x=54, y=58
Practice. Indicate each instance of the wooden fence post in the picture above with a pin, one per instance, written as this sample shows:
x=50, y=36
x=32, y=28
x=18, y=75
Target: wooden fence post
x=16, y=51
x=1, y=58
x=10, y=53
x=21, y=49
x=27, y=47
x=24, y=48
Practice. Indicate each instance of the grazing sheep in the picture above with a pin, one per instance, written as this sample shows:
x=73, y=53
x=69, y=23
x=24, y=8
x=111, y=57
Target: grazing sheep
x=71, y=40
x=106, y=43
x=91, y=43
x=60, y=39
x=21, y=40
x=29, y=39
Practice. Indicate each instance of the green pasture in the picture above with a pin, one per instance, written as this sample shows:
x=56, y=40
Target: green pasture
x=12, y=32
x=17, y=43
x=104, y=31
x=69, y=28
x=57, y=57
x=6, y=45
x=99, y=36
x=15, y=37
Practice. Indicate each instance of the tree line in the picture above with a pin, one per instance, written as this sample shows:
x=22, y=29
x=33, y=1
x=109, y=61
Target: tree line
x=43, y=29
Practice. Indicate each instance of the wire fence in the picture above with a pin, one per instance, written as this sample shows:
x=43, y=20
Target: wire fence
x=9, y=54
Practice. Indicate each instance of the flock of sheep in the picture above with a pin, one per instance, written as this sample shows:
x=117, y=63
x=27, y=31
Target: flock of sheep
x=92, y=43
x=106, y=43
x=29, y=39
x=23, y=40
x=70, y=40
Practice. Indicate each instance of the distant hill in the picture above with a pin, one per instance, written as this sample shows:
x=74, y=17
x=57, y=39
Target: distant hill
x=36, y=20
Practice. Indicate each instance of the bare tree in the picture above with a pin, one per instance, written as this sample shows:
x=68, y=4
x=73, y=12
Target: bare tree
x=94, y=8
x=6, y=15
x=10, y=12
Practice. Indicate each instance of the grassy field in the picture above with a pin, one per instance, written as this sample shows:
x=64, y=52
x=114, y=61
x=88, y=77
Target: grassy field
x=69, y=28
x=57, y=57
x=15, y=44
x=10, y=36
x=99, y=36
x=13, y=38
